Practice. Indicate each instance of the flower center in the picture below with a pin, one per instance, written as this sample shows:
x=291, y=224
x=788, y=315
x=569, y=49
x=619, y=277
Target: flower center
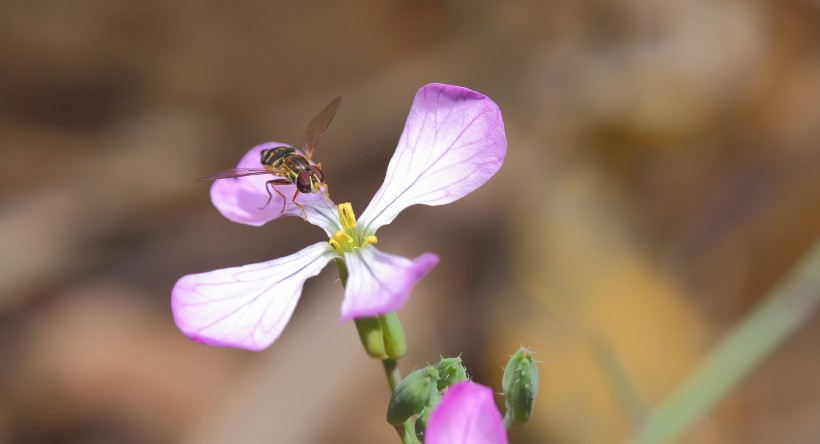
x=350, y=237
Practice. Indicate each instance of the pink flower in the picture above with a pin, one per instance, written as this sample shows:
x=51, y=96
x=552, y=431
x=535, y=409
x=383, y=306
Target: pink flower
x=467, y=414
x=452, y=143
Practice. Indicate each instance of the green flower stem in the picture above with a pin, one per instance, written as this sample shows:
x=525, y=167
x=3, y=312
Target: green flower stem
x=340, y=264
x=786, y=308
x=393, y=374
x=391, y=366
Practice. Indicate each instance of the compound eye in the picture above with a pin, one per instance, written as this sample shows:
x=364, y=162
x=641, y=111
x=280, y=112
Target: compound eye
x=318, y=173
x=303, y=181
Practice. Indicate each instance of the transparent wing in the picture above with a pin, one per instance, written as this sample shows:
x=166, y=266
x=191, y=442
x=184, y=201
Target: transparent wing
x=237, y=172
x=317, y=127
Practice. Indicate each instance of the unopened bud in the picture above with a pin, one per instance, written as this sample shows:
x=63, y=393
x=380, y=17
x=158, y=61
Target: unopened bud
x=520, y=384
x=413, y=394
x=450, y=371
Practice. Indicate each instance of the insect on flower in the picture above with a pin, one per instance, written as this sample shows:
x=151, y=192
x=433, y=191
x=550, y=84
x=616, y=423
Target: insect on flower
x=453, y=142
x=291, y=166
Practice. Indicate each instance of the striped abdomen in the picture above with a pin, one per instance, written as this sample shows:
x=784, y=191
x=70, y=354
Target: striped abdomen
x=274, y=157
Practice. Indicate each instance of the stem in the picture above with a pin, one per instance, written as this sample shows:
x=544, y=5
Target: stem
x=392, y=372
x=786, y=308
x=406, y=431
x=342, y=267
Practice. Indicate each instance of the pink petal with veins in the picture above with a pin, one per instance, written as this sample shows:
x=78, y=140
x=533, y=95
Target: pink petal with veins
x=245, y=307
x=379, y=283
x=452, y=143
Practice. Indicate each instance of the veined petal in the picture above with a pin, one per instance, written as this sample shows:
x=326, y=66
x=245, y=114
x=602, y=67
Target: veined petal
x=452, y=143
x=245, y=199
x=245, y=307
x=379, y=283
x=467, y=414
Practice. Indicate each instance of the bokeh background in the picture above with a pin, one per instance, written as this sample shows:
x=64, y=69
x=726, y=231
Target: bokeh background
x=662, y=175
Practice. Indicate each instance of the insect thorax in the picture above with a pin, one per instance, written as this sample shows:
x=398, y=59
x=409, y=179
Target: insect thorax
x=296, y=163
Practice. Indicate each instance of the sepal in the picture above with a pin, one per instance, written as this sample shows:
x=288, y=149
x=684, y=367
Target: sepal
x=450, y=371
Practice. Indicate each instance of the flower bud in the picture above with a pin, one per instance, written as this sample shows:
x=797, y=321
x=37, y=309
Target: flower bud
x=413, y=394
x=450, y=371
x=520, y=384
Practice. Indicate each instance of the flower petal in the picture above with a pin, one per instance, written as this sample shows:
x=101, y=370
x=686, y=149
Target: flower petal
x=379, y=283
x=467, y=414
x=452, y=143
x=245, y=199
x=245, y=307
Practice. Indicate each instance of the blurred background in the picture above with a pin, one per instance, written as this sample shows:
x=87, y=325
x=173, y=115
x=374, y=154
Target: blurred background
x=662, y=175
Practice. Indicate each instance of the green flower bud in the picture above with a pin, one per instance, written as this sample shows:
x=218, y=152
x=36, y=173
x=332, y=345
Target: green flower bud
x=520, y=386
x=450, y=371
x=412, y=395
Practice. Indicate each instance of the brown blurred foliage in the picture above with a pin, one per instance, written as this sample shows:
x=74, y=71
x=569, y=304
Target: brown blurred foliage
x=663, y=173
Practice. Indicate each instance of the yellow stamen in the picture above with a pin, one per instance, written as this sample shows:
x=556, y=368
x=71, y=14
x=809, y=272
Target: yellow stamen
x=349, y=238
x=341, y=242
x=346, y=216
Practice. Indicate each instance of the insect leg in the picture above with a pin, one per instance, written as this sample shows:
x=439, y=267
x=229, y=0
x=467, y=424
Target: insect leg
x=271, y=184
x=297, y=204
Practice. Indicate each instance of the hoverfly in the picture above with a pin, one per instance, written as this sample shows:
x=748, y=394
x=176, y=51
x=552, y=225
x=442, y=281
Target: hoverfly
x=291, y=166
